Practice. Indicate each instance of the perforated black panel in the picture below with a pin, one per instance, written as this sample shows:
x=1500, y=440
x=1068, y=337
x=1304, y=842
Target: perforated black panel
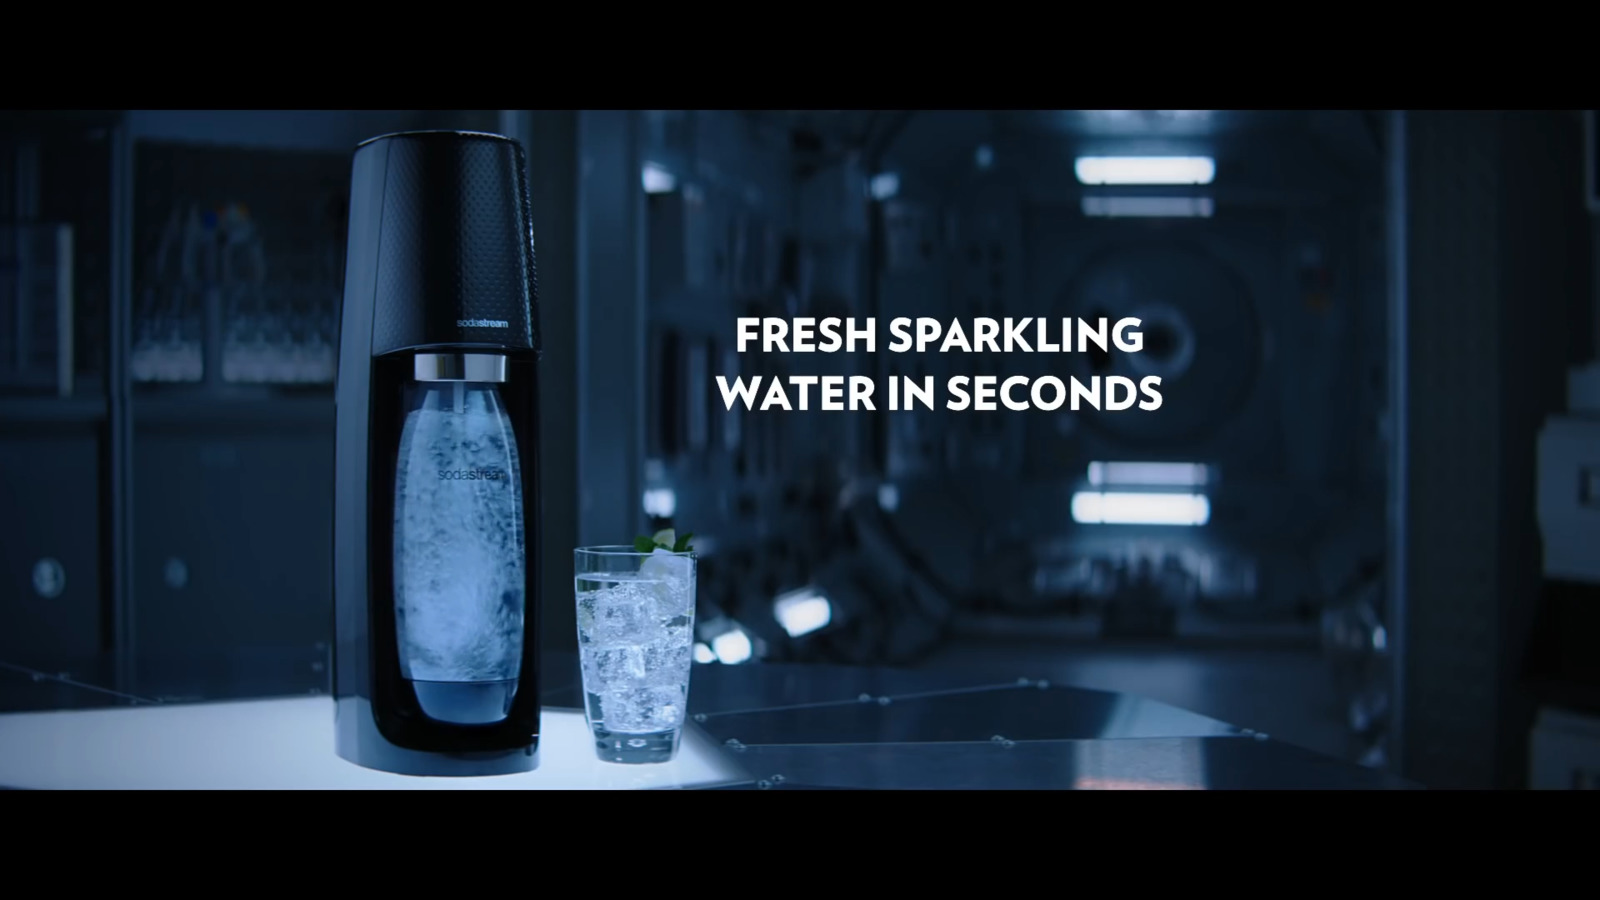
x=455, y=253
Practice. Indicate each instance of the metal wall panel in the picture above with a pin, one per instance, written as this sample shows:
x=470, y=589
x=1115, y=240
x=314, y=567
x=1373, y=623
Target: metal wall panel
x=231, y=552
x=50, y=609
x=1543, y=329
x=1489, y=239
x=550, y=137
x=1452, y=169
x=611, y=327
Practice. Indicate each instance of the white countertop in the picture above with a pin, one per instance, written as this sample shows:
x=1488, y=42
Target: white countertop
x=287, y=744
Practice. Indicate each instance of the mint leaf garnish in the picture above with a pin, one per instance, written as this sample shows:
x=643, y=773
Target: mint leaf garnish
x=664, y=540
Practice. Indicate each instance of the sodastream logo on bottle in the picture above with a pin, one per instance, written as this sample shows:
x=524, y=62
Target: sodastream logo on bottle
x=472, y=474
x=482, y=323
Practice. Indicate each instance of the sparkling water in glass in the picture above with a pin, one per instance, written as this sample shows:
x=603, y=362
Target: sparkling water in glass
x=635, y=641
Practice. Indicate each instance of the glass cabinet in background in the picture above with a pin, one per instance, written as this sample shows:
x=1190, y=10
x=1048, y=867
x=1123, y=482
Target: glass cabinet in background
x=169, y=291
x=55, y=228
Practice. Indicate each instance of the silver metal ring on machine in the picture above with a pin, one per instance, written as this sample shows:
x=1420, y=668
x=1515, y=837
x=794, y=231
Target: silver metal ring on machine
x=475, y=367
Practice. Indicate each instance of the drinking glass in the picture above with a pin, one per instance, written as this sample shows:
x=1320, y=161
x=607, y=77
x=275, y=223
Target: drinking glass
x=635, y=642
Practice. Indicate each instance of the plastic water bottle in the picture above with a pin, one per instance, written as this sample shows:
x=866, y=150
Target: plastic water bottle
x=458, y=553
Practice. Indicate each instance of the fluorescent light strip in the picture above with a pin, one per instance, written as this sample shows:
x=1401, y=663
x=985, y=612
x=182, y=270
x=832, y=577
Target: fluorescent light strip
x=1145, y=169
x=1149, y=474
x=732, y=647
x=888, y=497
x=802, y=612
x=660, y=502
x=1149, y=207
x=658, y=180
x=1095, y=508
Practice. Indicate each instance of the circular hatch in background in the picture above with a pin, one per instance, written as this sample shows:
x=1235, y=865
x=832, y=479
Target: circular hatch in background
x=1202, y=336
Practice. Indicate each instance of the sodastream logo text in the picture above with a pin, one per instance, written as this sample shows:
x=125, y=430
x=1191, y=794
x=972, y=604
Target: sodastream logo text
x=472, y=475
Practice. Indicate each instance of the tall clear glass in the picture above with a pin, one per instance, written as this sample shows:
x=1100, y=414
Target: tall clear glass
x=636, y=642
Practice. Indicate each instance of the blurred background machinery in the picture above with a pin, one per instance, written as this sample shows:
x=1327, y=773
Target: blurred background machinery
x=1247, y=513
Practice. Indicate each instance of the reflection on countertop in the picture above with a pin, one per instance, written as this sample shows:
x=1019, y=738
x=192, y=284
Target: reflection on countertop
x=816, y=726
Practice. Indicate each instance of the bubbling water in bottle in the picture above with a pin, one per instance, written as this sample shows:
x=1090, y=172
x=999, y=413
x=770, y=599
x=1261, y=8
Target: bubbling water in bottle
x=459, y=565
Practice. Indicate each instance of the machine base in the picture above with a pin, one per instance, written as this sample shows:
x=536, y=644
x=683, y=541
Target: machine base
x=466, y=702
x=356, y=740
